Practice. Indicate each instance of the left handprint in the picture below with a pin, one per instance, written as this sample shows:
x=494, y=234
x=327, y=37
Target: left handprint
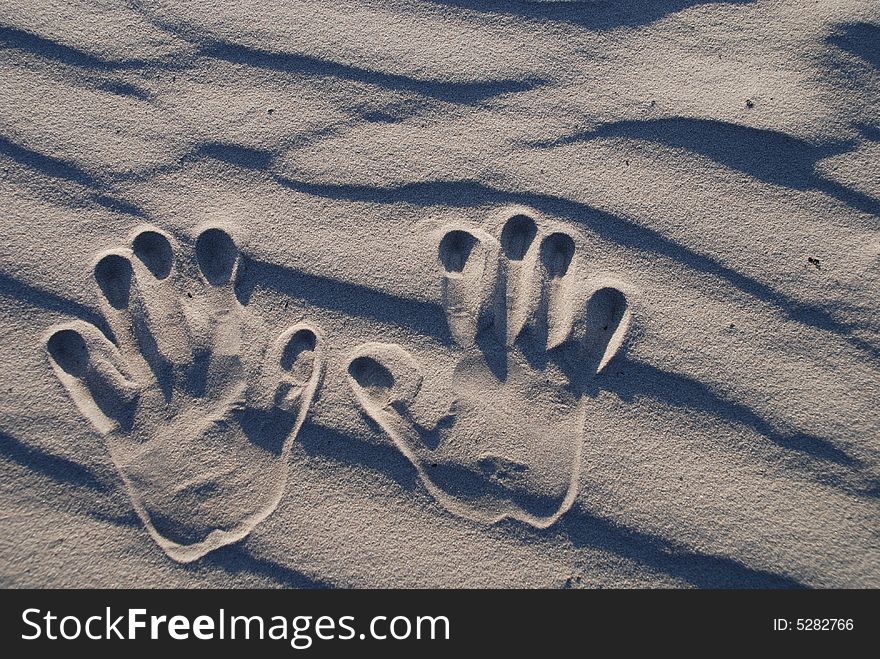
x=197, y=406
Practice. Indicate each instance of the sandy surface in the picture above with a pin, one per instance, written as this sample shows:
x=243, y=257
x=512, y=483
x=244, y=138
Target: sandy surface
x=447, y=293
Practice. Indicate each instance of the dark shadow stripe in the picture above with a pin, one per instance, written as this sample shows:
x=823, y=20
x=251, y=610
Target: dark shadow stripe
x=587, y=14
x=236, y=559
x=15, y=38
x=468, y=93
x=122, y=89
x=586, y=529
x=767, y=155
x=48, y=165
x=426, y=318
x=91, y=66
x=471, y=92
x=68, y=171
x=55, y=467
x=234, y=154
x=38, y=297
x=859, y=39
x=631, y=380
x=325, y=442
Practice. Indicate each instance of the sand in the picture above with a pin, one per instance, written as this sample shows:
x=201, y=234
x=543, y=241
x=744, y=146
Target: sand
x=438, y=294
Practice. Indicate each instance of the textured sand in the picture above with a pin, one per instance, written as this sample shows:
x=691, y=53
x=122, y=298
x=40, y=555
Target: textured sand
x=445, y=293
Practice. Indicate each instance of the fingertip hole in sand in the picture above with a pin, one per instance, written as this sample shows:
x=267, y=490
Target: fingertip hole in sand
x=557, y=252
x=607, y=318
x=113, y=274
x=298, y=356
x=517, y=236
x=68, y=349
x=154, y=251
x=371, y=376
x=455, y=249
x=216, y=254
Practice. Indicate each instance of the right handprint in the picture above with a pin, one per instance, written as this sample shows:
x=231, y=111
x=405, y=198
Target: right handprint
x=531, y=336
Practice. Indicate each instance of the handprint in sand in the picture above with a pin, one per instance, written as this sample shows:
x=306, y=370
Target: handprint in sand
x=197, y=405
x=532, y=330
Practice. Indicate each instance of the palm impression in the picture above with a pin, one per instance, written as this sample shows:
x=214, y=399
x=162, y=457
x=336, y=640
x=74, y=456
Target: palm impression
x=531, y=334
x=198, y=408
